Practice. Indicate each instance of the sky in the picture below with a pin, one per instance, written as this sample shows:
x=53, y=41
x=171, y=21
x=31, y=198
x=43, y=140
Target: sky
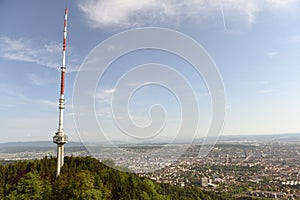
x=255, y=45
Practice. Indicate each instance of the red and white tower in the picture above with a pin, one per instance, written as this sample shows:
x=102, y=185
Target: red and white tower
x=60, y=138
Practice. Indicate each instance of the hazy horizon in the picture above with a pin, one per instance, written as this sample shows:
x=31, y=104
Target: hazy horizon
x=162, y=140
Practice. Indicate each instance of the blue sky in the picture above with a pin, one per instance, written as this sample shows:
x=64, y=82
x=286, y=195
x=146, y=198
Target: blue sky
x=255, y=45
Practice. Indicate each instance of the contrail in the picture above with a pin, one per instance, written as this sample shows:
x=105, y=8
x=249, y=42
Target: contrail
x=223, y=17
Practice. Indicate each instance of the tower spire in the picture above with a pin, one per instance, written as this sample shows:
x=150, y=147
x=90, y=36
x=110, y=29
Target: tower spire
x=60, y=138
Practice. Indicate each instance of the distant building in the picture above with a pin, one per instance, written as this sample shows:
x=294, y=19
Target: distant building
x=204, y=181
x=227, y=160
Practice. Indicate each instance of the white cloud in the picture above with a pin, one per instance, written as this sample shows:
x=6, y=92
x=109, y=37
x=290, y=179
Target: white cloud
x=11, y=92
x=6, y=106
x=47, y=102
x=267, y=91
x=110, y=91
x=272, y=54
x=264, y=82
x=130, y=13
x=103, y=101
x=23, y=49
x=279, y=4
x=204, y=94
x=36, y=80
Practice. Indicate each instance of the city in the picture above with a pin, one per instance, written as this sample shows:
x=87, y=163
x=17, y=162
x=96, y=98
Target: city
x=256, y=170
x=266, y=169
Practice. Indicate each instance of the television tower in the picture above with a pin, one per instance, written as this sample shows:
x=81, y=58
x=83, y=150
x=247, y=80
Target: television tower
x=60, y=138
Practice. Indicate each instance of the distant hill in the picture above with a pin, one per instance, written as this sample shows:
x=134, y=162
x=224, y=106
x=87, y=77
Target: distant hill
x=37, y=146
x=40, y=146
x=85, y=178
x=272, y=138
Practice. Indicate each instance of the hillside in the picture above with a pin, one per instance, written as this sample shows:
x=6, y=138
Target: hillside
x=84, y=178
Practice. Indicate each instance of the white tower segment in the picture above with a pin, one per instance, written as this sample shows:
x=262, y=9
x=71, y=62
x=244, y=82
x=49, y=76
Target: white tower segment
x=60, y=138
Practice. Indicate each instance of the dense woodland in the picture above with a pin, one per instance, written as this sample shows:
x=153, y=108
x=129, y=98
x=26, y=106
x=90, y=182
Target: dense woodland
x=84, y=178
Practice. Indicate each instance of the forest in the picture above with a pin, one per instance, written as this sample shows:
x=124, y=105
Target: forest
x=85, y=178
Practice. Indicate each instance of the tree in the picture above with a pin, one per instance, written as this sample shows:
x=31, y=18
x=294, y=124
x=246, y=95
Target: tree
x=149, y=187
x=31, y=186
x=85, y=178
x=83, y=187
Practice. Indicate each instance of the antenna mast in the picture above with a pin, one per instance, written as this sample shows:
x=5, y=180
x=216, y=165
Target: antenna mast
x=60, y=138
